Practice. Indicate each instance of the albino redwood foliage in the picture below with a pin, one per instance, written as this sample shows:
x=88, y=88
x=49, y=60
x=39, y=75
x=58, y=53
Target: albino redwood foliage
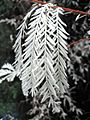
x=40, y=53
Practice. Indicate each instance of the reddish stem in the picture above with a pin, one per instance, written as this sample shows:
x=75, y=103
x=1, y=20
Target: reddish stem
x=76, y=42
x=66, y=9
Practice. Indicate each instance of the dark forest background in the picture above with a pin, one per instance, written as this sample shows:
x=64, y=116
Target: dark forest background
x=13, y=105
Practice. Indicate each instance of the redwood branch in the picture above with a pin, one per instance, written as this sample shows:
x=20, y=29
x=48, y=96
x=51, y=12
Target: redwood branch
x=66, y=9
x=76, y=42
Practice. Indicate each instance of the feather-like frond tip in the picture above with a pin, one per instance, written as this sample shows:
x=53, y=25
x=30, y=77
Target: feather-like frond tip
x=40, y=53
x=41, y=57
x=7, y=72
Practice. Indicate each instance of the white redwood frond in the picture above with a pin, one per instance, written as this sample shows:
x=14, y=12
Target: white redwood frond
x=7, y=72
x=18, y=44
x=44, y=53
x=40, y=54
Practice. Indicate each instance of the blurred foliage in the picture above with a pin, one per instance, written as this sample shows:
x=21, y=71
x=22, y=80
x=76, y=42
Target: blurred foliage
x=9, y=93
x=6, y=54
x=11, y=99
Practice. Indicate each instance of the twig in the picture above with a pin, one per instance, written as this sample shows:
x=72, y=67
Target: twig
x=76, y=42
x=66, y=9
